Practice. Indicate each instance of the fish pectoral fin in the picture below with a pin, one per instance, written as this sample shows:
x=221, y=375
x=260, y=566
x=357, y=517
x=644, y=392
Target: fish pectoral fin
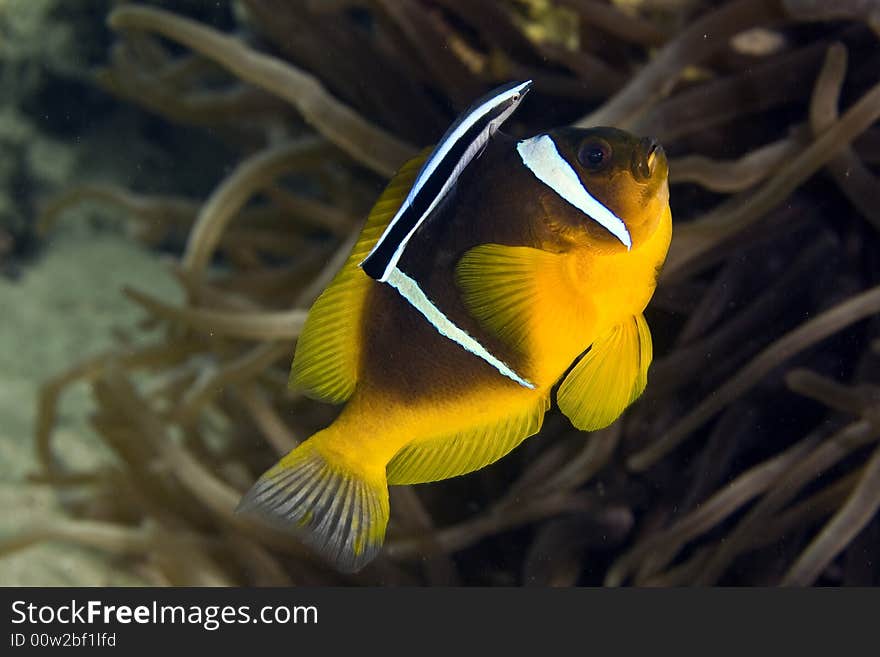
x=327, y=356
x=462, y=450
x=517, y=292
x=609, y=377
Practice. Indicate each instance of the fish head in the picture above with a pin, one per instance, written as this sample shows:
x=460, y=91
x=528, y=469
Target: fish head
x=611, y=187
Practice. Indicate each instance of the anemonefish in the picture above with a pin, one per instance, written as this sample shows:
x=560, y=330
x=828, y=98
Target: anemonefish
x=489, y=270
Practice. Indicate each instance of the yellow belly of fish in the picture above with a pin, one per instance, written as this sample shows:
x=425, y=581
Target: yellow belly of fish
x=434, y=439
x=592, y=296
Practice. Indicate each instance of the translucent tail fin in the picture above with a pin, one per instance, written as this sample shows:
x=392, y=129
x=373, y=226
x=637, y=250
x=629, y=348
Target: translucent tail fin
x=340, y=514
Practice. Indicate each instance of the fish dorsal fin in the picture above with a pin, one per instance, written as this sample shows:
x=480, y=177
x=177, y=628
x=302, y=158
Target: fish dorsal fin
x=327, y=355
x=527, y=297
x=501, y=424
x=610, y=376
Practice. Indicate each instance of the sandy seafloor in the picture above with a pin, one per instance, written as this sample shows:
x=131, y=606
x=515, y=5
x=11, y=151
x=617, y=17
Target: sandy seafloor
x=58, y=129
x=66, y=305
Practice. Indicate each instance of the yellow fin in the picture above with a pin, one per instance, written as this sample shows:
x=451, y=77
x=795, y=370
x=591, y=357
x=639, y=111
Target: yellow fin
x=529, y=299
x=341, y=515
x=501, y=286
x=610, y=376
x=325, y=363
x=459, y=452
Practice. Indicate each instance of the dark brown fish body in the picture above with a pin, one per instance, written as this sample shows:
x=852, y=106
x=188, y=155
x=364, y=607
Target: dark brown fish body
x=482, y=209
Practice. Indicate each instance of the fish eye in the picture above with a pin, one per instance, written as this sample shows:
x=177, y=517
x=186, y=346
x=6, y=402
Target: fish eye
x=594, y=154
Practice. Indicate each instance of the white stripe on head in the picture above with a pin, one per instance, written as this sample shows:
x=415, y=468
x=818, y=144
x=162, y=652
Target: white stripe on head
x=411, y=291
x=541, y=157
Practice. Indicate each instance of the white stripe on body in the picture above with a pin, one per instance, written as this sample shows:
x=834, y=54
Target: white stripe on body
x=410, y=290
x=540, y=156
x=434, y=161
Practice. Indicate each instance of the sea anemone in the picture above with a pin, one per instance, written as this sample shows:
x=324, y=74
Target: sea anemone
x=753, y=457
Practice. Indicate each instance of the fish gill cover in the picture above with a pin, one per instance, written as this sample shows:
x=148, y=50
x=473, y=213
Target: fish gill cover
x=753, y=456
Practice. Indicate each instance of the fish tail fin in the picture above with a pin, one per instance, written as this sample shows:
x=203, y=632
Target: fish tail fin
x=339, y=513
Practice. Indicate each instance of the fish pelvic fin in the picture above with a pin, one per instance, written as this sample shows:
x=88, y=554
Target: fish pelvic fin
x=442, y=455
x=339, y=513
x=609, y=377
x=327, y=356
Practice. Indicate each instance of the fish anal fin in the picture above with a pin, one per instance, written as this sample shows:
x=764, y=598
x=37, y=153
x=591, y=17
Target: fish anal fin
x=465, y=449
x=610, y=376
x=327, y=356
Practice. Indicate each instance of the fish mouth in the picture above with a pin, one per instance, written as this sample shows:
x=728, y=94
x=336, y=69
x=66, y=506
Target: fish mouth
x=646, y=157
